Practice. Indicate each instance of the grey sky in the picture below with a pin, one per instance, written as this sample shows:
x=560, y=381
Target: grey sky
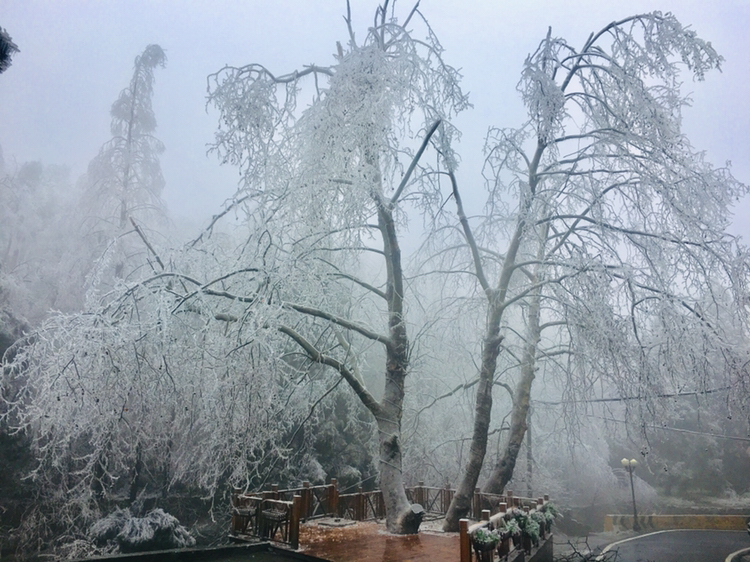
x=76, y=56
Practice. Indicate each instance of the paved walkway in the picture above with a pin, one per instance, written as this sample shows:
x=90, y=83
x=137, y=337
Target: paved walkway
x=369, y=542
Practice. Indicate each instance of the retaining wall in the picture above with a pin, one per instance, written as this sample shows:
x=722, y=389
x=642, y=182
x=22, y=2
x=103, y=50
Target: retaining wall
x=666, y=522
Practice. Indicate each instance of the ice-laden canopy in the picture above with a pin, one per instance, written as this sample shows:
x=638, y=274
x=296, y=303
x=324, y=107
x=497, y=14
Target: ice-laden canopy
x=143, y=394
x=330, y=165
x=603, y=144
x=622, y=202
x=183, y=376
x=600, y=216
x=622, y=219
x=325, y=185
x=602, y=181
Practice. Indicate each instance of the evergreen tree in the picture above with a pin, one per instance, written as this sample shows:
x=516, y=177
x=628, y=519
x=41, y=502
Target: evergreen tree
x=124, y=182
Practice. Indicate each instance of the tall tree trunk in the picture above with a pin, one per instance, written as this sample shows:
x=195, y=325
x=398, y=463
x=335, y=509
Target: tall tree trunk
x=503, y=470
x=497, y=301
x=125, y=186
x=401, y=517
x=389, y=436
x=529, y=459
x=461, y=503
x=397, y=508
x=496, y=298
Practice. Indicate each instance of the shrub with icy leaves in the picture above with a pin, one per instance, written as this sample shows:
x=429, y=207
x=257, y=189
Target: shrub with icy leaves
x=158, y=530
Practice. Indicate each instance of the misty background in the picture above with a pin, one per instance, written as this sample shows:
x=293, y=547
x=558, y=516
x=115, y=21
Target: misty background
x=55, y=100
x=77, y=55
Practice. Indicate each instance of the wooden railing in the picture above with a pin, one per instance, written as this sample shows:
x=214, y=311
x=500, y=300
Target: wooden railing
x=269, y=519
x=490, y=520
x=317, y=501
x=433, y=500
x=275, y=514
x=362, y=506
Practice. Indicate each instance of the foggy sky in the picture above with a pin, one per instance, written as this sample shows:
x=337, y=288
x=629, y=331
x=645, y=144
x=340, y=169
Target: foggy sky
x=77, y=55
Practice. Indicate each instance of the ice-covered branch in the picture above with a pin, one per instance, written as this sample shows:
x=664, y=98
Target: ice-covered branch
x=343, y=322
x=315, y=355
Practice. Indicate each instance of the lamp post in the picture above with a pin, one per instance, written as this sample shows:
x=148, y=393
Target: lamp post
x=630, y=465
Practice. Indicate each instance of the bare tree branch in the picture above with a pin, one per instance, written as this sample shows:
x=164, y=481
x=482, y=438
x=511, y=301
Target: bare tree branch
x=414, y=162
x=315, y=355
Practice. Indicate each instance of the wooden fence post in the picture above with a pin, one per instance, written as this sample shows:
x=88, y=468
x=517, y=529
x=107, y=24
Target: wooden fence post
x=419, y=493
x=235, y=503
x=307, y=502
x=294, y=521
x=477, y=511
x=546, y=498
x=447, y=496
x=275, y=490
x=485, y=515
x=464, y=542
x=333, y=498
x=359, y=510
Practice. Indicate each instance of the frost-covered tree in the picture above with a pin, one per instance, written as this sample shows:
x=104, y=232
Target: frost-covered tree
x=161, y=387
x=603, y=231
x=198, y=373
x=45, y=259
x=124, y=181
x=326, y=192
x=40, y=271
x=611, y=220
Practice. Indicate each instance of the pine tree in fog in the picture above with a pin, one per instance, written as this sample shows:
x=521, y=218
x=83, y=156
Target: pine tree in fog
x=124, y=182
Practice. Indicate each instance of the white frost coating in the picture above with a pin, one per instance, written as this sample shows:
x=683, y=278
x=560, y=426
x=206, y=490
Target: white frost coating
x=638, y=266
x=335, y=153
x=187, y=388
x=182, y=376
x=157, y=530
x=617, y=219
x=125, y=178
x=326, y=189
x=614, y=222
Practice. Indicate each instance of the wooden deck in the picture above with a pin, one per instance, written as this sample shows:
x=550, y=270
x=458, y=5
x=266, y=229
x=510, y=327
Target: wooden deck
x=368, y=541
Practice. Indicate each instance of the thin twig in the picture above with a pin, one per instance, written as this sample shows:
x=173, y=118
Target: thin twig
x=148, y=245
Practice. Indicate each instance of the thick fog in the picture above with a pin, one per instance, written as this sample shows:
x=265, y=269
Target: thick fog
x=486, y=247
x=77, y=55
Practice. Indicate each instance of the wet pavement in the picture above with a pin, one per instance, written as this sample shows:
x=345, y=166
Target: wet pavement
x=681, y=546
x=369, y=541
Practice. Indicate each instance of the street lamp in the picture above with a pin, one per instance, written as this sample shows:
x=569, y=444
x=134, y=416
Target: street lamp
x=630, y=465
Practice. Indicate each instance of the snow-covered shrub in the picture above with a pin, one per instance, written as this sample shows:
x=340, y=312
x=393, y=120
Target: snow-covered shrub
x=107, y=529
x=158, y=530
